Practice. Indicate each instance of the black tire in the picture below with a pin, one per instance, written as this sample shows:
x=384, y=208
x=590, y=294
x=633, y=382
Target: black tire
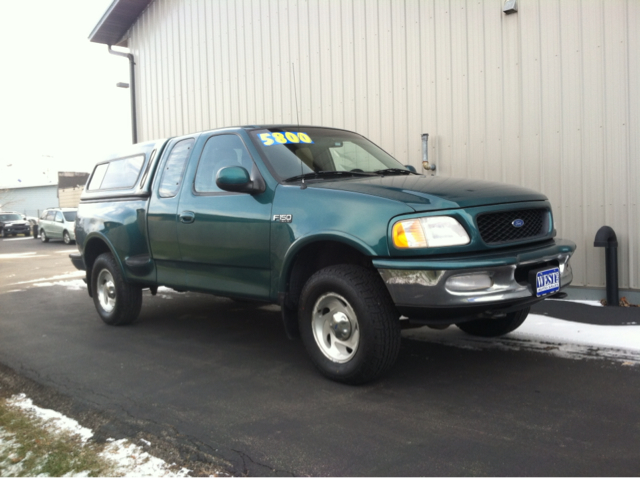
x=43, y=236
x=370, y=312
x=4, y=233
x=123, y=306
x=66, y=237
x=495, y=327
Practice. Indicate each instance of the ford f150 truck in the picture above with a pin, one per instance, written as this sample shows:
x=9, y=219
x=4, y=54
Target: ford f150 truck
x=349, y=242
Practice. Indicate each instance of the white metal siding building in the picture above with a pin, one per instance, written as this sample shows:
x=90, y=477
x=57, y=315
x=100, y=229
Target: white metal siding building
x=548, y=97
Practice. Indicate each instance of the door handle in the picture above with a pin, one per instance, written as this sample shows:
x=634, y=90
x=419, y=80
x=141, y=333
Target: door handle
x=187, y=217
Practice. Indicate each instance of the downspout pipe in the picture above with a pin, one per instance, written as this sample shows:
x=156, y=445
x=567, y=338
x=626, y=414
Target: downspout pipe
x=132, y=87
x=606, y=237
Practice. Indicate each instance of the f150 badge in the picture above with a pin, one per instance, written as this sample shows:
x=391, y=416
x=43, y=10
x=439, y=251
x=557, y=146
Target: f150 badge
x=283, y=217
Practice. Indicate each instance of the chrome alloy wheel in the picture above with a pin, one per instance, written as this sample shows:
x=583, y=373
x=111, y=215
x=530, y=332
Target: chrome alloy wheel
x=335, y=328
x=106, y=290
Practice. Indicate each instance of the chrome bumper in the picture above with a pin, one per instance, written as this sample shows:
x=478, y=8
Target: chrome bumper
x=430, y=288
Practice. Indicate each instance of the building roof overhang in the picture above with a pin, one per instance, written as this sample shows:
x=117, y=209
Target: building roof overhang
x=116, y=21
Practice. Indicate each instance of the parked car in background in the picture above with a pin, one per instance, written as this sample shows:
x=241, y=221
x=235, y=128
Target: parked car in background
x=58, y=223
x=13, y=223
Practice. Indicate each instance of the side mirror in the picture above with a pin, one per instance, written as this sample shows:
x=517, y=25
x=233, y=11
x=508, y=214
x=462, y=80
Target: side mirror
x=410, y=168
x=235, y=179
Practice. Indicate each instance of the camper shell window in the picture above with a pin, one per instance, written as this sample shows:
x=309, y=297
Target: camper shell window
x=118, y=174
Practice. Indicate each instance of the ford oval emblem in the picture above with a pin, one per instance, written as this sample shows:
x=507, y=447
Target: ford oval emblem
x=518, y=223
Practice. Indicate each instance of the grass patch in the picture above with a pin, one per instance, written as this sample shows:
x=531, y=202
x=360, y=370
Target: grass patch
x=27, y=448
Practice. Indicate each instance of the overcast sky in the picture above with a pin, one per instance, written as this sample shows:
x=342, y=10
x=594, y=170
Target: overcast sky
x=59, y=107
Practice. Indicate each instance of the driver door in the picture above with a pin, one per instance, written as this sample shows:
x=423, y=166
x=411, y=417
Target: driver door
x=224, y=236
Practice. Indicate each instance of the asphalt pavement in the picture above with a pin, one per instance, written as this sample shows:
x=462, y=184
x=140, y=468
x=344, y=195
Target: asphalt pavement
x=216, y=385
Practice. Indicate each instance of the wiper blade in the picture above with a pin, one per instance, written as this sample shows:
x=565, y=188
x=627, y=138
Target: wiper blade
x=384, y=172
x=327, y=174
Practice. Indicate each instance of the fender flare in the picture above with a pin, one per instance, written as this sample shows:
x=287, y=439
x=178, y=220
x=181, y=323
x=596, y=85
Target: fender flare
x=319, y=236
x=91, y=239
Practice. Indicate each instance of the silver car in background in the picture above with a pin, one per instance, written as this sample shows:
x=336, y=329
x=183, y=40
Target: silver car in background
x=58, y=223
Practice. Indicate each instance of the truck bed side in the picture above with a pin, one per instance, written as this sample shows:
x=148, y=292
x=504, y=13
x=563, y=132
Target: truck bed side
x=113, y=219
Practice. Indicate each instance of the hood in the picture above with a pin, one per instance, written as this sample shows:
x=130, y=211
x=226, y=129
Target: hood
x=430, y=193
x=17, y=222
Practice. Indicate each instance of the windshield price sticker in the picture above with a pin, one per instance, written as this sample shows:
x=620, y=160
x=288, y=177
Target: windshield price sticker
x=269, y=139
x=547, y=282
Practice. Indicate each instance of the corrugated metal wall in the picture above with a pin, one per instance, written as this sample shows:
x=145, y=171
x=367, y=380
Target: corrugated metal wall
x=548, y=97
x=70, y=197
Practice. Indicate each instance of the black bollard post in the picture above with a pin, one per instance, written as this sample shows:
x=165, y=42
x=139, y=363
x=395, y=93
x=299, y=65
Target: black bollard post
x=606, y=237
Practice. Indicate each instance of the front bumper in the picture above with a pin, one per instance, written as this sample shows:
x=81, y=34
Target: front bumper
x=421, y=288
x=77, y=261
x=17, y=229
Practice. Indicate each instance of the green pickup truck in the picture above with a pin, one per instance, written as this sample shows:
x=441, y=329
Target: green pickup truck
x=350, y=243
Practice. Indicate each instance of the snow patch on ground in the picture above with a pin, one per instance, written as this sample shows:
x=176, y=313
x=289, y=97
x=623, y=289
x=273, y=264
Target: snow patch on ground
x=132, y=461
x=67, y=276
x=7, y=445
x=129, y=459
x=54, y=421
x=19, y=238
x=22, y=255
x=544, y=334
x=69, y=284
x=595, y=303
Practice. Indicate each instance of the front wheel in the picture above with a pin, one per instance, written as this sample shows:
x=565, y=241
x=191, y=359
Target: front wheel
x=43, y=236
x=117, y=302
x=66, y=237
x=348, y=324
x=495, y=327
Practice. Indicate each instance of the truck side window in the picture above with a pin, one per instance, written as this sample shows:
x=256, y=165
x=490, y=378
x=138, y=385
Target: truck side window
x=174, y=168
x=219, y=152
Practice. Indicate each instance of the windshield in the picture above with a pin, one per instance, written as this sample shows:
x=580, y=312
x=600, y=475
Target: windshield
x=293, y=152
x=70, y=216
x=10, y=217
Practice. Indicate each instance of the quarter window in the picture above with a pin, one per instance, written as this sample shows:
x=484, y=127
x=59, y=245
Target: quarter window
x=118, y=174
x=98, y=176
x=174, y=168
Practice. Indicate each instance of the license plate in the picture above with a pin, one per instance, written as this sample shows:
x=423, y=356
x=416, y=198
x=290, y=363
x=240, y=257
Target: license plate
x=547, y=281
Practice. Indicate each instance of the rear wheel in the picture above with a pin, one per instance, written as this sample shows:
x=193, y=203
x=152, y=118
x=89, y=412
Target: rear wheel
x=4, y=233
x=43, y=236
x=348, y=324
x=117, y=301
x=495, y=327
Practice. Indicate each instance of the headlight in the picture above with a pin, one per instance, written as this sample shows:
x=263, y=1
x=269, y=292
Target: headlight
x=437, y=231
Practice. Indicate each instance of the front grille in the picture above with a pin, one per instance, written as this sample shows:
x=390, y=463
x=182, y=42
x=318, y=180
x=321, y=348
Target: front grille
x=498, y=228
